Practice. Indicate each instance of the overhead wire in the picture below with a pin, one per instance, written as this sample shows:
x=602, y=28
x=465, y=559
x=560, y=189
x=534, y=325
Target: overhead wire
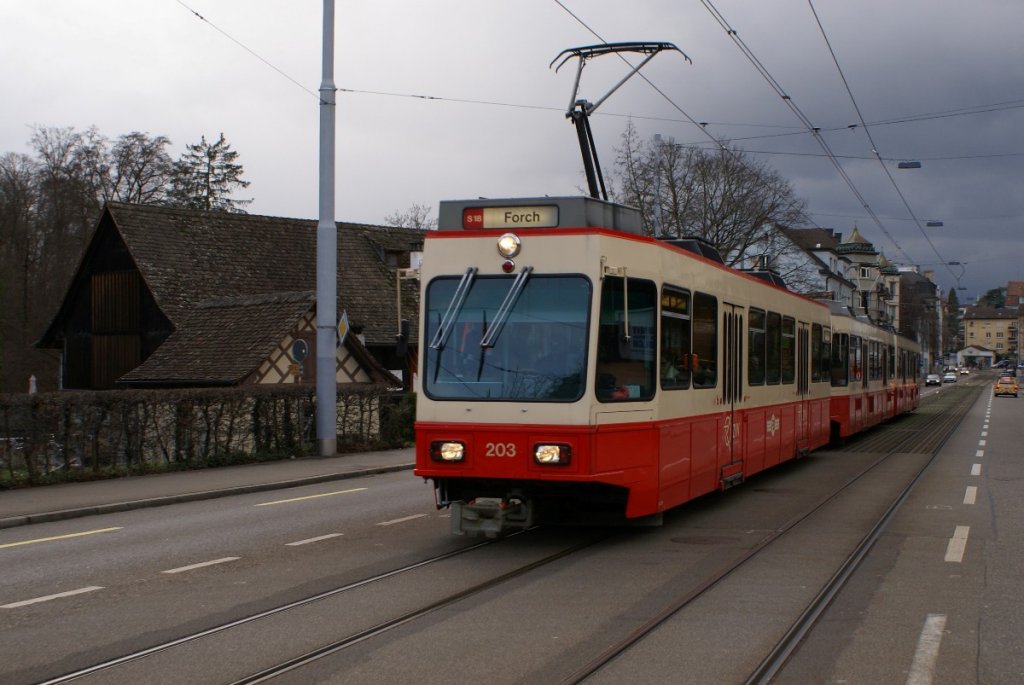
x=249, y=50
x=867, y=132
x=803, y=118
x=808, y=127
x=962, y=111
x=702, y=126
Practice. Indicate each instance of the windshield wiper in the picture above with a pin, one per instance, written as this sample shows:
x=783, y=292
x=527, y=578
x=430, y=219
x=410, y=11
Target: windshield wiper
x=454, y=307
x=491, y=336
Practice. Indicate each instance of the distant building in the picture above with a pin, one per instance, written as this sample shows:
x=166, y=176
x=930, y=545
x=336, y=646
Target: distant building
x=1014, y=293
x=183, y=298
x=995, y=328
x=820, y=263
x=977, y=356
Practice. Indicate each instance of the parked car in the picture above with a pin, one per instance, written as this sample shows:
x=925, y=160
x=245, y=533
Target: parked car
x=964, y=371
x=949, y=377
x=933, y=379
x=1005, y=385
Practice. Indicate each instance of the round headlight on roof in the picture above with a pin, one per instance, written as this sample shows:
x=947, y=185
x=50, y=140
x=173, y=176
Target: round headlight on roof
x=509, y=245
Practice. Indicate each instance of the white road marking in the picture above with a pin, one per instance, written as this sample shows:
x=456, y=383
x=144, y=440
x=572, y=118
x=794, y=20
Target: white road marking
x=984, y=433
x=47, y=598
x=302, y=499
x=922, y=670
x=976, y=470
x=316, y=539
x=971, y=494
x=59, y=537
x=201, y=565
x=981, y=443
x=401, y=520
x=957, y=545
x=979, y=453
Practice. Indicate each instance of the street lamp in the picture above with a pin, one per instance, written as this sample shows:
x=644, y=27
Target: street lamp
x=934, y=224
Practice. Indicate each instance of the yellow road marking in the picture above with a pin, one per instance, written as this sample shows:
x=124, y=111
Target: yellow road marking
x=59, y=537
x=300, y=499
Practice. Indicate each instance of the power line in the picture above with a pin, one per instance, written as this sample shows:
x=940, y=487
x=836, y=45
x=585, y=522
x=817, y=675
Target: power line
x=248, y=49
x=867, y=132
x=963, y=111
x=811, y=128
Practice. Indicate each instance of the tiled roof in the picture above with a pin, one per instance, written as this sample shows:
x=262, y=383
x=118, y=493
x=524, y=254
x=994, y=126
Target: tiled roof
x=856, y=244
x=221, y=341
x=985, y=312
x=189, y=258
x=813, y=238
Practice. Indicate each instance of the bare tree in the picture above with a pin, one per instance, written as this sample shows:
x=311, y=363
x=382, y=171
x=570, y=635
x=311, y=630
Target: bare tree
x=140, y=168
x=18, y=199
x=417, y=216
x=722, y=196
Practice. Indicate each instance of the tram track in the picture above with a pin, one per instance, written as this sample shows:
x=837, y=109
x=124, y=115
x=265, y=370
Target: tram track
x=109, y=667
x=922, y=433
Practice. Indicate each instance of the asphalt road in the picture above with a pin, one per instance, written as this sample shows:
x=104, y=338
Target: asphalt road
x=936, y=600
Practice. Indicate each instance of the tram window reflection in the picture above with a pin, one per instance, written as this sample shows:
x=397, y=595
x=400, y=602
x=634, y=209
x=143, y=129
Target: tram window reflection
x=705, y=340
x=626, y=341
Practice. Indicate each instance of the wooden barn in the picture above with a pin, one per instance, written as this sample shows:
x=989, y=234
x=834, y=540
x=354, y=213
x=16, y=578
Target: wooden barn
x=167, y=297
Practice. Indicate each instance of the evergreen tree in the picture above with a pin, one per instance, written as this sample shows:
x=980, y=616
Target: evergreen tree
x=952, y=334
x=206, y=175
x=996, y=297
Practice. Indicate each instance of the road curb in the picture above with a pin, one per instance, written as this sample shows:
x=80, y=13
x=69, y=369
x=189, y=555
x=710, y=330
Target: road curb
x=113, y=507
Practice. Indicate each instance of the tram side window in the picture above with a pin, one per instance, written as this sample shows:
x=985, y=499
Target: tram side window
x=840, y=359
x=869, y=358
x=755, y=347
x=880, y=361
x=815, y=352
x=676, y=361
x=820, y=361
x=788, y=350
x=856, y=368
x=774, y=348
x=705, y=341
x=826, y=353
x=892, y=362
x=626, y=358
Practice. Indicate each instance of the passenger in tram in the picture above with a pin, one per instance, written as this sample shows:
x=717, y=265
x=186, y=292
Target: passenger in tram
x=608, y=388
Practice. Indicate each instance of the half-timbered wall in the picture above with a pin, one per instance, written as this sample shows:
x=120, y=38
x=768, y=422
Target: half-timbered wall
x=280, y=367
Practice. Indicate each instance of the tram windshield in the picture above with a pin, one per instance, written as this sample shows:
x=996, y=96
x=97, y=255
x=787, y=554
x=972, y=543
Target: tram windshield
x=539, y=352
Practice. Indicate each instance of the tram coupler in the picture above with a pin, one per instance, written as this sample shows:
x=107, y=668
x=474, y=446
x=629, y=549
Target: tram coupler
x=491, y=517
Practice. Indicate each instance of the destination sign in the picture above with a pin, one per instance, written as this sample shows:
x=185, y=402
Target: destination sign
x=541, y=216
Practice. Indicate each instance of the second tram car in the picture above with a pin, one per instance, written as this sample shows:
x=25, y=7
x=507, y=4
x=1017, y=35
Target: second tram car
x=571, y=366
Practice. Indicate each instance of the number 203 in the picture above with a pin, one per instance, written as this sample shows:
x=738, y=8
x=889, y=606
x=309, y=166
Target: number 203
x=500, y=449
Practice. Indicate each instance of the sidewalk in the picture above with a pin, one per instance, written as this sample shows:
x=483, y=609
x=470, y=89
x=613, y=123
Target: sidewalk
x=70, y=500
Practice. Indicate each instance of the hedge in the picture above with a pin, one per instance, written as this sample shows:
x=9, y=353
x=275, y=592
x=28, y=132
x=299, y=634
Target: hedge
x=82, y=435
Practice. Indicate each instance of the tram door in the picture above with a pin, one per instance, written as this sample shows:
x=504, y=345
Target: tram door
x=803, y=383
x=733, y=333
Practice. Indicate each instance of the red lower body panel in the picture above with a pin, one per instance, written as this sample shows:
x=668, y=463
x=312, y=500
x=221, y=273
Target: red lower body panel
x=657, y=465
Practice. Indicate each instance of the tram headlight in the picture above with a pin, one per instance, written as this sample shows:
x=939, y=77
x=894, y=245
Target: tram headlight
x=442, y=450
x=552, y=455
x=509, y=245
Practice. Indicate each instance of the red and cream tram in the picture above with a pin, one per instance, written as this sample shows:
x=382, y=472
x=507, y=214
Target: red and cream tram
x=874, y=373
x=571, y=366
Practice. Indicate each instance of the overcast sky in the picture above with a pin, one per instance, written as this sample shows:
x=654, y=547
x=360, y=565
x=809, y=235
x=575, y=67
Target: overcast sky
x=492, y=119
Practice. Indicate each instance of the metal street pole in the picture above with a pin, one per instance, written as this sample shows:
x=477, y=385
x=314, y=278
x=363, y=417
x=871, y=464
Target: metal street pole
x=327, y=258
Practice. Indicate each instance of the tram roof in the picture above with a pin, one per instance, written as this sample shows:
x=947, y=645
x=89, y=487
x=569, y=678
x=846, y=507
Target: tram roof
x=537, y=212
